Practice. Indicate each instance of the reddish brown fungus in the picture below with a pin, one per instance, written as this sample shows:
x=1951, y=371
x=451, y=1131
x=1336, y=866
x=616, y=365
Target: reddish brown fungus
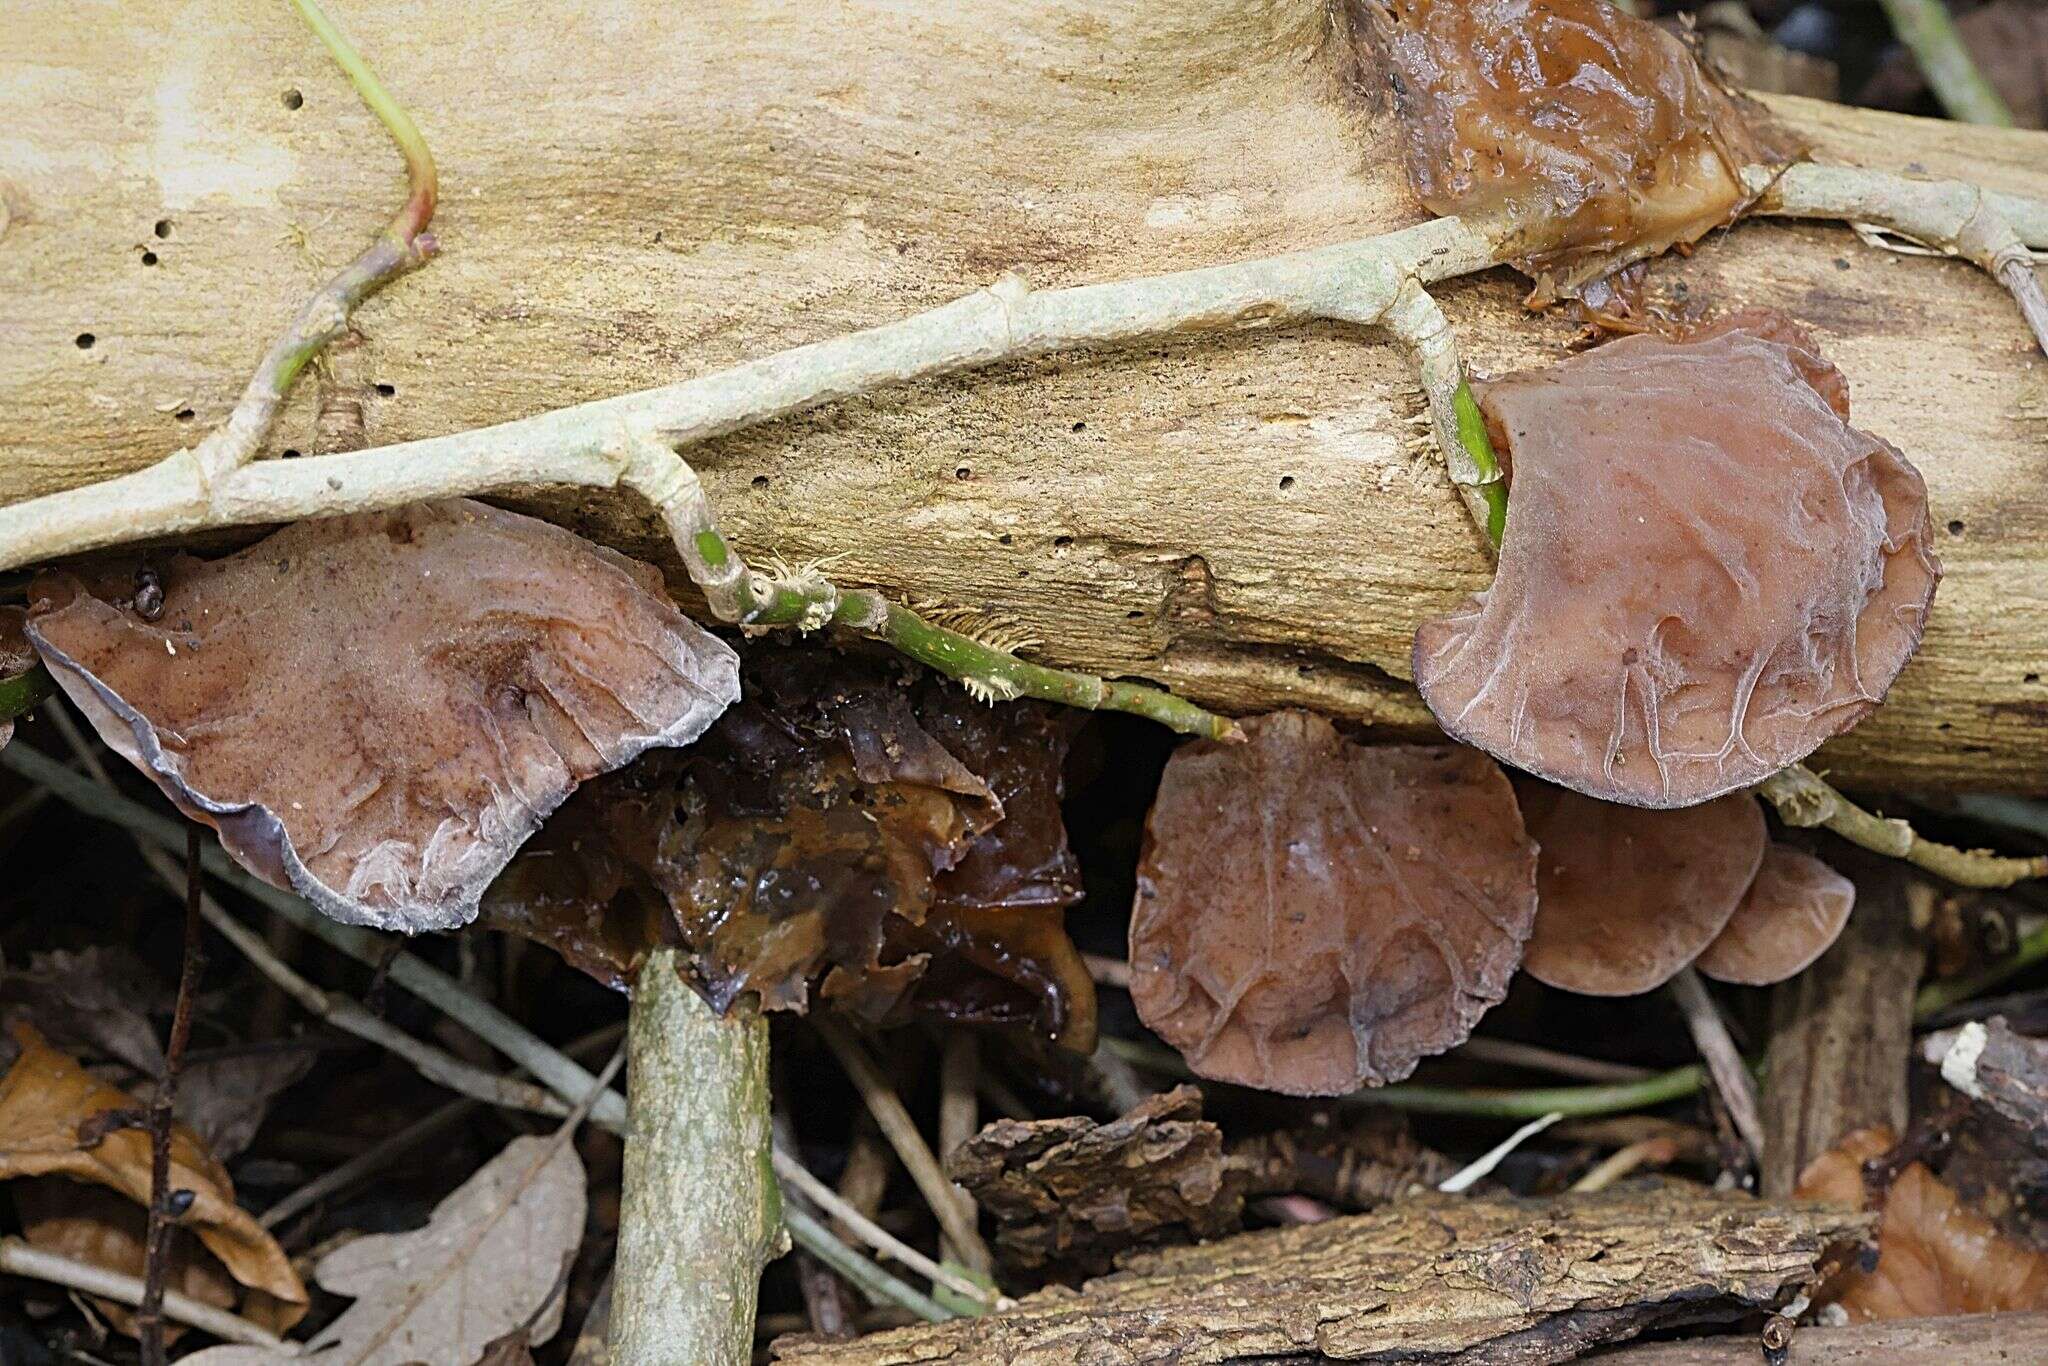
x=1791, y=913
x=376, y=711
x=1706, y=573
x=1595, y=137
x=887, y=842
x=1627, y=897
x=1313, y=914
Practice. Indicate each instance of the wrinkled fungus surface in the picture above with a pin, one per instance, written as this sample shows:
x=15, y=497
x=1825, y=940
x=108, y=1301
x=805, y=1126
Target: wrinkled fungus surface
x=1627, y=897
x=848, y=831
x=1594, y=135
x=1313, y=914
x=1707, y=571
x=376, y=711
x=1792, y=912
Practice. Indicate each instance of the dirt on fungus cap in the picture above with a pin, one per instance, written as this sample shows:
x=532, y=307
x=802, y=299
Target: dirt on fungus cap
x=1707, y=571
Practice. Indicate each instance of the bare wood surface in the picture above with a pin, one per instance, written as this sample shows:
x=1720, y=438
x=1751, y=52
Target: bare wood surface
x=1438, y=1278
x=1974, y=1338
x=1842, y=1031
x=637, y=193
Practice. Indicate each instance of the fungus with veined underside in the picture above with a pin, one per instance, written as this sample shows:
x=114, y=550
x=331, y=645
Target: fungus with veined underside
x=375, y=711
x=1594, y=136
x=1706, y=573
x=1313, y=914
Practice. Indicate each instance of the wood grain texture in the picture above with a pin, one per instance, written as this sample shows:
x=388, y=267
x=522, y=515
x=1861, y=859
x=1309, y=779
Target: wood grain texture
x=1435, y=1279
x=1974, y=1338
x=1842, y=1031
x=636, y=193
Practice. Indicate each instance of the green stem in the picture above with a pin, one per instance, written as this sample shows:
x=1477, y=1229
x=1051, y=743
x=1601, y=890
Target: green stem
x=419, y=161
x=1929, y=33
x=1472, y=436
x=1803, y=798
x=872, y=1281
x=807, y=600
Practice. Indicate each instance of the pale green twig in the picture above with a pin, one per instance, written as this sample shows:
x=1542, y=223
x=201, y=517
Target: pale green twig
x=402, y=245
x=1803, y=798
x=1929, y=33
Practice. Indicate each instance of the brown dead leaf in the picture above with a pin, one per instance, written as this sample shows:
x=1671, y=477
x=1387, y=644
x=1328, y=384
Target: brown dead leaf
x=1313, y=914
x=1069, y=1194
x=93, y=1004
x=1593, y=133
x=101, y=1228
x=491, y=1255
x=1707, y=571
x=46, y=1099
x=376, y=711
x=1935, y=1255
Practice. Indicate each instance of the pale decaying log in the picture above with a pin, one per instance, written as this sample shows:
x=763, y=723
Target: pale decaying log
x=640, y=193
x=1436, y=1278
x=1900, y=1342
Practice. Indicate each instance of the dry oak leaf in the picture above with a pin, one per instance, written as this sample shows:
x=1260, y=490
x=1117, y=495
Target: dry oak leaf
x=1791, y=914
x=1626, y=897
x=1935, y=1255
x=491, y=1254
x=1594, y=136
x=1313, y=914
x=375, y=711
x=1706, y=573
x=1071, y=1193
x=50, y=1111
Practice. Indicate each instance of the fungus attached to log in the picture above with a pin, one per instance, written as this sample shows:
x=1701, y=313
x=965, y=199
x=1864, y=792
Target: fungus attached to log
x=1595, y=138
x=1791, y=913
x=1627, y=897
x=1314, y=914
x=848, y=833
x=1707, y=571
x=376, y=711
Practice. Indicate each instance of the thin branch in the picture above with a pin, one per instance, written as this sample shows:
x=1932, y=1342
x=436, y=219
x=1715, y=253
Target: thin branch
x=1648, y=1152
x=436, y=1065
x=17, y=1258
x=1929, y=33
x=1534, y=1057
x=156, y=1257
x=959, y=1061
x=1482, y=1166
x=554, y=1069
x=901, y=1131
x=1724, y=1061
x=878, y=1285
x=875, y=1236
x=403, y=245
x=1948, y=992
x=1803, y=798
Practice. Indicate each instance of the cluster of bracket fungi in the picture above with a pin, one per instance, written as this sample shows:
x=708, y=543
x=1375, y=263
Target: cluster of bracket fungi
x=1704, y=572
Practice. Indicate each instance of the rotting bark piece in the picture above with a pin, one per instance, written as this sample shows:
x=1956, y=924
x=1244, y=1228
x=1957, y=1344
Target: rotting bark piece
x=376, y=711
x=1440, y=1279
x=1070, y=1194
x=1991, y=1064
x=1595, y=136
x=1314, y=914
x=1792, y=912
x=1707, y=571
x=1903, y=1342
x=1626, y=897
x=1935, y=1255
